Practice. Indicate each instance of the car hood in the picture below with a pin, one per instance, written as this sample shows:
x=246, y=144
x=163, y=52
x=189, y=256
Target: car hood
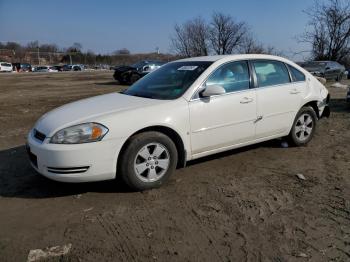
x=88, y=110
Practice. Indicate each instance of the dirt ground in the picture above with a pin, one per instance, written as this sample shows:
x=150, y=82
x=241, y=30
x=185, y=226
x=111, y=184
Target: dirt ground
x=242, y=205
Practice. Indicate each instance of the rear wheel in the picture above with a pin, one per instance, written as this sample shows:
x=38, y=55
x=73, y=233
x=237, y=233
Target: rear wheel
x=304, y=127
x=148, y=160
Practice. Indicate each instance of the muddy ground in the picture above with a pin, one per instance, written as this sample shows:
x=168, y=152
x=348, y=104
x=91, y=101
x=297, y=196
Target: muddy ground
x=242, y=205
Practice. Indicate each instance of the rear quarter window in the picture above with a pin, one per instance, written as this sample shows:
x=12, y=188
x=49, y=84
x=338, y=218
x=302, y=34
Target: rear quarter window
x=296, y=74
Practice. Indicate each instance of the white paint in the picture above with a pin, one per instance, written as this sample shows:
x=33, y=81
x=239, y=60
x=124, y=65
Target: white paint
x=206, y=126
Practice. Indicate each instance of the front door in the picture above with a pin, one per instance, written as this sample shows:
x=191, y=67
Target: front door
x=224, y=120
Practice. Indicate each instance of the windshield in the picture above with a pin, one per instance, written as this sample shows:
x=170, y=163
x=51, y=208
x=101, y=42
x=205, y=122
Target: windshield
x=169, y=81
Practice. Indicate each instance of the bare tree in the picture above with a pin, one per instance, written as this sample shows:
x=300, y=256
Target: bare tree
x=251, y=46
x=75, y=48
x=226, y=34
x=329, y=30
x=191, y=38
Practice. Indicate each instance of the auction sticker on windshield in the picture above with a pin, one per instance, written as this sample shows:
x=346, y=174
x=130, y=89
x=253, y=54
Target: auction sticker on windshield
x=187, y=68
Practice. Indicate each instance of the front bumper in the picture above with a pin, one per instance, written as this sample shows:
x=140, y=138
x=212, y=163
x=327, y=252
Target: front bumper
x=87, y=162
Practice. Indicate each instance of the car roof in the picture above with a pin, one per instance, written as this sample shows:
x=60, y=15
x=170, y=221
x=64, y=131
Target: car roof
x=215, y=58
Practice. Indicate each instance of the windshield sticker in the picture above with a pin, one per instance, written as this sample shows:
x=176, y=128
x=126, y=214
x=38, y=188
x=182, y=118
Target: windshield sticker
x=187, y=68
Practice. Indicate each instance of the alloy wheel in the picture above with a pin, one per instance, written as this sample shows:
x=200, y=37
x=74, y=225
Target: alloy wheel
x=151, y=162
x=303, y=127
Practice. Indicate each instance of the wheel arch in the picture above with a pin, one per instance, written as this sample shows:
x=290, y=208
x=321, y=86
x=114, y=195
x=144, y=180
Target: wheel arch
x=171, y=133
x=313, y=104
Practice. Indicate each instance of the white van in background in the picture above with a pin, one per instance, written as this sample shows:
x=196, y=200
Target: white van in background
x=5, y=67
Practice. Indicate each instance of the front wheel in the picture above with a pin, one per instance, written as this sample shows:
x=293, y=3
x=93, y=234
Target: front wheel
x=134, y=78
x=304, y=127
x=148, y=160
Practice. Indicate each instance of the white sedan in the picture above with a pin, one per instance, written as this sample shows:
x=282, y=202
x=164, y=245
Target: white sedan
x=5, y=67
x=184, y=110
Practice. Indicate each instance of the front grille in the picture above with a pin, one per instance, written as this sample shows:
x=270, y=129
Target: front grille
x=38, y=135
x=67, y=170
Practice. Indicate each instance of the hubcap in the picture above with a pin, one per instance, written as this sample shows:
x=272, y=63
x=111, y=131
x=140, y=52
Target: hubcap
x=151, y=162
x=303, y=127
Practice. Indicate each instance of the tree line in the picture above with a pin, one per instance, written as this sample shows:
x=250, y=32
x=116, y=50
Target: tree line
x=36, y=53
x=327, y=33
x=222, y=35
x=328, y=30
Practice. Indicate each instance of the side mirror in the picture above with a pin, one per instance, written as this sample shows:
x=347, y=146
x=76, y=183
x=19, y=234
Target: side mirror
x=212, y=90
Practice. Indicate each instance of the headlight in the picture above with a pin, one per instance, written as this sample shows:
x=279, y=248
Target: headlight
x=83, y=133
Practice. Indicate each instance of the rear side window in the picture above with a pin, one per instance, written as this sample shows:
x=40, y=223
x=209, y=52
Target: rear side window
x=6, y=64
x=271, y=73
x=296, y=74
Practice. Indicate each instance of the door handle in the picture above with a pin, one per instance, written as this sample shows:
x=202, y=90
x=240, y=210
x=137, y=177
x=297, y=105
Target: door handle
x=246, y=100
x=294, y=92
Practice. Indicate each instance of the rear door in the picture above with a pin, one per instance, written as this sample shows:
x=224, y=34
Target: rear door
x=278, y=98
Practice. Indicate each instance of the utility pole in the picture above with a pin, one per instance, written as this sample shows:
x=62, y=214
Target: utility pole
x=38, y=54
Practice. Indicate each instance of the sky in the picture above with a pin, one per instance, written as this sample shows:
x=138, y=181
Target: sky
x=141, y=26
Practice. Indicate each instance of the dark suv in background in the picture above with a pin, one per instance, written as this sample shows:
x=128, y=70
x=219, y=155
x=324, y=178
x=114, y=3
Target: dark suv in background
x=22, y=67
x=130, y=74
x=327, y=69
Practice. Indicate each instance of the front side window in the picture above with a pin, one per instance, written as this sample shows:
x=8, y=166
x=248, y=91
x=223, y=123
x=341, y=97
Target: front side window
x=270, y=73
x=296, y=74
x=170, y=81
x=232, y=77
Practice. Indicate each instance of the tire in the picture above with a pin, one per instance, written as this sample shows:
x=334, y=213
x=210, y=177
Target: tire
x=304, y=127
x=133, y=78
x=148, y=160
x=339, y=77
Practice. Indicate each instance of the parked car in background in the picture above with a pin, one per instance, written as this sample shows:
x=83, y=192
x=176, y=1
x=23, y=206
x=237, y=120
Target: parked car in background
x=22, y=67
x=182, y=111
x=329, y=70
x=45, y=69
x=59, y=68
x=130, y=74
x=5, y=67
x=67, y=68
x=73, y=67
x=77, y=67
